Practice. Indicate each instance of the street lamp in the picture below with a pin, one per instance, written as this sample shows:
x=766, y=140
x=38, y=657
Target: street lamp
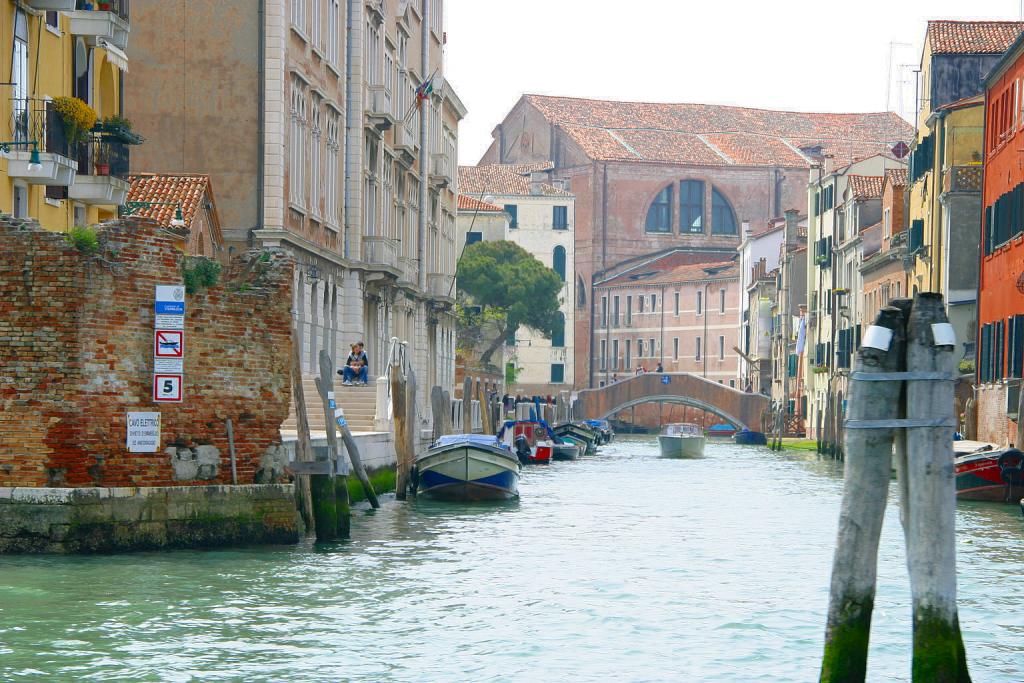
x=131, y=208
x=34, y=162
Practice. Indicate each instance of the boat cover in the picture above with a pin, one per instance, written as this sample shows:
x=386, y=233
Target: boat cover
x=480, y=439
x=509, y=424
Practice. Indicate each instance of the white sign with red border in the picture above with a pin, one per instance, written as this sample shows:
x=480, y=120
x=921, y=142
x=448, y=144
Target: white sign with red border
x=169, y=344
x=167, y=388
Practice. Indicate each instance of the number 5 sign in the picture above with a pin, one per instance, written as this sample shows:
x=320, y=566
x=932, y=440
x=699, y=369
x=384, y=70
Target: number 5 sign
x=167, y=388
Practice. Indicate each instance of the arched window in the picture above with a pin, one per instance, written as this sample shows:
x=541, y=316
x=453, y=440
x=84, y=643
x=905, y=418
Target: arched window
x=659, y=216
x=691, y=206
x=581, y=292
x=723, y=220
x=558, y=338
x=558, y=261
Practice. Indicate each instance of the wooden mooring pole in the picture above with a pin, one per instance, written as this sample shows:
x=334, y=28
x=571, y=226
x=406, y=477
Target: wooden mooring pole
x=398, y=410
x=303, y=444
x=339, y=483
x=901, y=397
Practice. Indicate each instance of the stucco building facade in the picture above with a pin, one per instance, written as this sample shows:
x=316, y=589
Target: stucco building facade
x=330, y=131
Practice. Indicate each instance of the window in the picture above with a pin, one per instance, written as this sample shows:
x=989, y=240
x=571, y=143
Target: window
x=721, y=301
x=333, y=30
x=629, y=310
x=316, y=138
x=297, y=143
x=557, y=373
x=723, y=220
x=700, y=303
x=53, y=20
x=691, y=206
x=629, y=358
x=887, y=222
x=697, y=355
x=650, y=348
x=604, y=311
x=677, y=304
x=654, y=303
x=513, y=213
x=299, y=14
x=732, y=383
x=639, y=348
x=315, y=16
x=581, y=292
x=659, y=216
x=474, y=237
x=640, y=304
x=675, y=348
x=615, y=354
x=331, y=166
x=721, y=348
x=558, y=261
x=560, y=217
x=615, y=311
x=604, y=354
x=558, y=338
x=19, y=76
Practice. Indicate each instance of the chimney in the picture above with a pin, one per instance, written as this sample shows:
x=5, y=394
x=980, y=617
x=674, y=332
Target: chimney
x=792, y=224
x=537, y=178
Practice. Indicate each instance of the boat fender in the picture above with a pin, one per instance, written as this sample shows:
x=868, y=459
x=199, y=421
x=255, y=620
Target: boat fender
x=1011, y=467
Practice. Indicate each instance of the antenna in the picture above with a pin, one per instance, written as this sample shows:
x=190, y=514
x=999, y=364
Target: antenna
x=888, y=81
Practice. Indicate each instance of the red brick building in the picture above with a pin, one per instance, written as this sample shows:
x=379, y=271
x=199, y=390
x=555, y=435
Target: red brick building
x=1001, y=281
x=651, y=178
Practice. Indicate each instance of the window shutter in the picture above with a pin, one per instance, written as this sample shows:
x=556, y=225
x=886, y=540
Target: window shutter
x=1018, y=345
x=983, y=356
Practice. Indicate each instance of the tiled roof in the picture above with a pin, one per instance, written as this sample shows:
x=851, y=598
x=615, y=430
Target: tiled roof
x=897, y=177
x=188, y=190
x=972, y=37
x=663, y=271
x=467, y=203
x=504, y=179
x=714, y=134
x=865, y=186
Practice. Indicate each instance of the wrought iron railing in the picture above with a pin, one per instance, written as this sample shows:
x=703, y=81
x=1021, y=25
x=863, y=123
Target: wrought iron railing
x=118, y=7
x=103, y=156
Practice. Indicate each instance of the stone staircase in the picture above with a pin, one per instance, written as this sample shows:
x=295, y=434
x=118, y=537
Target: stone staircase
x=358, y=402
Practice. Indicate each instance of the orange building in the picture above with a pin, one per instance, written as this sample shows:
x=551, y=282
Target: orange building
x=1001, y=282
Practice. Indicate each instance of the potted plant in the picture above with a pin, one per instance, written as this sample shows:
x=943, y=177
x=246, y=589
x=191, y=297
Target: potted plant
x=104, y=6
x=119, y=128
x=101, y=162
x=77, y=116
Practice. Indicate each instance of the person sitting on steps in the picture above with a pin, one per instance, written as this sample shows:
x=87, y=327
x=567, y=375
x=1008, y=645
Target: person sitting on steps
x=356, y=366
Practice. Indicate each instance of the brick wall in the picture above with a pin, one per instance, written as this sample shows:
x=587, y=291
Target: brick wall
x=76, y=336
x=993, y=424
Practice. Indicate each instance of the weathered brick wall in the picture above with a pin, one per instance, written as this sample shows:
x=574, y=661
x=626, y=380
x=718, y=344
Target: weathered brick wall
x=76, y=354
x=993, y=425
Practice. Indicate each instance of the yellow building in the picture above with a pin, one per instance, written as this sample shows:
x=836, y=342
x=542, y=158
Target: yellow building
x=52, y=169
x=945, y=210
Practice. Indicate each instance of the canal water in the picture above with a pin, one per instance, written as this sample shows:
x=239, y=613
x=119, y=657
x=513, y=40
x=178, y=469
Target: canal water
x=619, y=567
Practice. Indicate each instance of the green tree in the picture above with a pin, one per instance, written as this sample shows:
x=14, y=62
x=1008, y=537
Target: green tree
x=512, y=288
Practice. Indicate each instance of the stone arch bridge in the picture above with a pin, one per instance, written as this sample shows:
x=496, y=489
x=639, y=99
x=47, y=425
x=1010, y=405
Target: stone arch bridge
x=734, y=406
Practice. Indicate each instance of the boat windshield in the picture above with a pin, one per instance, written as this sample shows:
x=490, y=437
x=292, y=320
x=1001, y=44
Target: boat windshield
x=682, y=429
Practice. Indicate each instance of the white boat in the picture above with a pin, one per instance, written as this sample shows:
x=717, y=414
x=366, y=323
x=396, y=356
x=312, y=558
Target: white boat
x=681, y=440
x=467, y=467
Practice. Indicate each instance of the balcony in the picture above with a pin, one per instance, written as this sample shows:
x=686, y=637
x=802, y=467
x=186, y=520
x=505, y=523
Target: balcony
x=379, y=116
x=407, y=272
x=406, y=144
x=441, y=286
x=109, y=22
x=52, y=5
x=381, y=252
x=102, y=173
x=35, y=120
x=962, y=179
x=440, y=173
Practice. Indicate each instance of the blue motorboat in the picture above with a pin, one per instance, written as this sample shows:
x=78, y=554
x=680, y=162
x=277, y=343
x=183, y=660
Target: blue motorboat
x=747, y=437
x=467, y=468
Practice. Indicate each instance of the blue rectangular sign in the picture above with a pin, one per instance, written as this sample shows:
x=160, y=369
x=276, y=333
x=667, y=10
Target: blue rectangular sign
x=170, y=307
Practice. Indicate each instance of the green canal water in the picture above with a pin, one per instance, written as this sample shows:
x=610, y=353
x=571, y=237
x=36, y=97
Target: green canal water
x=619, y=567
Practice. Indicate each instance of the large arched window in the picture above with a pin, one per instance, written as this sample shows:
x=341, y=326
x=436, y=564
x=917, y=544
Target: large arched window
x=558, y=338
x=691, y=206
x=723, y=220
x=659, y=216
x=581, y=293
x=558, y=261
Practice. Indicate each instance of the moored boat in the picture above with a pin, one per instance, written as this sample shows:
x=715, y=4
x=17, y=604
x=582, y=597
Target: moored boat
x=747, y=437
x=989, y=473
x=467, y=467
x=721, y=431
x=532, y=441
x=681, y=440
x=603, y=429
x=580, y=432
x=565, y=450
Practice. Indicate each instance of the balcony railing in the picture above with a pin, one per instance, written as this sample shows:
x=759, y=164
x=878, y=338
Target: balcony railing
x=102, y=172
x=380, y=251
x=106, y=20
x=378, y=108
x=962, y=179
x=441, y=286
x=36, y=121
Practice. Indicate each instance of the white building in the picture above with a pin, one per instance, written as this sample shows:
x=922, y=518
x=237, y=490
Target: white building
x=540, y=216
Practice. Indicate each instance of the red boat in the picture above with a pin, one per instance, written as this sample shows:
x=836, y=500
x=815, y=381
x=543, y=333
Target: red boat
x=991, y=474
x=531, y=440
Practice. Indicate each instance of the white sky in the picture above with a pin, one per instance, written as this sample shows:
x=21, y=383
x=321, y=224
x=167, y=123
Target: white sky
x=807, y=55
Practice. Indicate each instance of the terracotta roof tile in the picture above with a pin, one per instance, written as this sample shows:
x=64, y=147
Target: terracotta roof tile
x=897, y=177
x=865, y=186
x=504, y=179
x=467, y=203
x=715, y=134
x=670, y=269
x=972, y=37
x=188, y=190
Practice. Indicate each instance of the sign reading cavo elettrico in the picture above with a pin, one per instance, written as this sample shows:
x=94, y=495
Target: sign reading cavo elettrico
x=168, y=343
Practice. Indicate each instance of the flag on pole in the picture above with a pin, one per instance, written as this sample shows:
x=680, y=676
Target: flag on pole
x=425, y=89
